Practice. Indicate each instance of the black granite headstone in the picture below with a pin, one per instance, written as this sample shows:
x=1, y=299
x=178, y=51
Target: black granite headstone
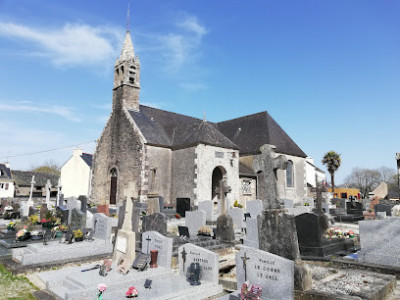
x=62, y=213
x=182, y=206
x=83, y=200
x=354, y=208
x=383, y=208
x=141, y=261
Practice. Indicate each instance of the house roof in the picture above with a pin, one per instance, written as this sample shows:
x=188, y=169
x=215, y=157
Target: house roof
x=315, y=167
x=24, y=178
x=168, y=129
x=5, y=173
x=253, y=131
x=245, y=171
x=87, y=158
x=247, y=134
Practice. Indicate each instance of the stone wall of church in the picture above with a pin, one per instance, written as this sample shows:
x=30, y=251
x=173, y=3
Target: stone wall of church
x=299, y=190
x=121, y=147
x=207, y=159
x=159, y=177
x=183, y=174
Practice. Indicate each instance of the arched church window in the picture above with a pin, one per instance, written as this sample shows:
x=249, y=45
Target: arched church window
x=289, y=174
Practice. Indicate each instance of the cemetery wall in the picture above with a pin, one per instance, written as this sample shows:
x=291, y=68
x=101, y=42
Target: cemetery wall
x=75, y=177
x=207, y=159
x=159, y=177
x=121, y=146
x=183, y=174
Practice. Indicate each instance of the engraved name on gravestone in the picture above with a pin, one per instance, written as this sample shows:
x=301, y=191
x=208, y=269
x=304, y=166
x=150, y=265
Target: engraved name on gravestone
x=208, y=260
x=156, y=241
x=102, y=227
x=274, y=273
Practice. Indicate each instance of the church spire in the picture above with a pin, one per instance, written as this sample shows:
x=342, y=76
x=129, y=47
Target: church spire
x=127, y=52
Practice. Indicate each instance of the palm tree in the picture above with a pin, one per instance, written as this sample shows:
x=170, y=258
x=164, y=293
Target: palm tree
x=332, y=161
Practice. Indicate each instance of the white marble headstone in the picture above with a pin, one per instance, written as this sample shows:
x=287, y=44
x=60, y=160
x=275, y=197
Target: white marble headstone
x=274, y=273
x=207, y=259
x=254, y=207
x=102, y=227
x=158, y=242
x=206, y=206
x=251, y=239
x=194, y=220
x=237, y=215
x=89, y=219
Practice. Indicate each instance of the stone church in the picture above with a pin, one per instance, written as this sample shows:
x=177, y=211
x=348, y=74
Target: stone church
x=169, y=155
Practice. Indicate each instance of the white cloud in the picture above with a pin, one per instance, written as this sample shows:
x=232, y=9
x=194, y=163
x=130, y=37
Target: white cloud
x=70, y=45
x=193, y=86
x=25, y=106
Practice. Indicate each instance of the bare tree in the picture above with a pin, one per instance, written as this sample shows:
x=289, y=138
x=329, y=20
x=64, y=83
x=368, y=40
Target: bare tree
x=47, y=167
x=363, y=179
x=386, y=174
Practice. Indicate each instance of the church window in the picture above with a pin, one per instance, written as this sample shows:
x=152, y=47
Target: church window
x=131, y=80
x=246, y=187
x=289, y=174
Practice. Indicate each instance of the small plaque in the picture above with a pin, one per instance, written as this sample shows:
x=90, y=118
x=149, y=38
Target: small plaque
x=183, y=231
x=120, y=244
x=141, y=261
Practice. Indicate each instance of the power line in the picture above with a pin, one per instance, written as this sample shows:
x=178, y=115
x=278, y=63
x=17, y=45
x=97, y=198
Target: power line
x=44, y=151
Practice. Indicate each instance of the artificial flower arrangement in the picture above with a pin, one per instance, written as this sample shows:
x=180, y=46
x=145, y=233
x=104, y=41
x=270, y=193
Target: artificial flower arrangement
x=61, y=227
x=177, y=216
x=337, y=233
x=237, y=204
x=78, y=234
x=11, y=225
x=33, y=219
x=101, y=289
x=22, y=234
x=205, y=230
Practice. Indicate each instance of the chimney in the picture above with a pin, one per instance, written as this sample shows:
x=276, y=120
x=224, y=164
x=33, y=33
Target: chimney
x=77, y=152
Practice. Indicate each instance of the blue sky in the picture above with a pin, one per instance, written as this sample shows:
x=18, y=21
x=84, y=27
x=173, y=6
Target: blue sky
x=327, y=71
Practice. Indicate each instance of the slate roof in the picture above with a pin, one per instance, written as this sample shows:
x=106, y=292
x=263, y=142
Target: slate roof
x=87, y=158
x=167, y=129
x=24, y=178
x=253, y=131
x=247, y=134
x=245, y=171
x=5, y=172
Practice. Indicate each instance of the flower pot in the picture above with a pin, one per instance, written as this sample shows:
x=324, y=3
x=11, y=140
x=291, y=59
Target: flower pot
x=154, y=256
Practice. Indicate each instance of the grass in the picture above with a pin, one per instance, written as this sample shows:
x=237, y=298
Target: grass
x=15, y=287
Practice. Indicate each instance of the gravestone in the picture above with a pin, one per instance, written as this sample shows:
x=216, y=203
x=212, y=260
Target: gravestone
x=207, y=206
x=298, y=210
x=208, y=260
x=326, y=207
x=182, y=206
x=237, y=215
x=381, y=215
x=193, y=221
x=153, y=206
x=152, y=240
x=383, y=207
x=78, y=219
x=155, y=222
x=101, y=227
x=288, y=203
x=251, y=239
x=274, y=273
x=43, y=212
x=83, y=200
x=254, y=208
x=48, y=190
x=72, y=204
x=103, y=208
x=354, y=208
x=24, y=210
x=380, y=241
x=138, y=209
x=89, y=219
x=62, y=213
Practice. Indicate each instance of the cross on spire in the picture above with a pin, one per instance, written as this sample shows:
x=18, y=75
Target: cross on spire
x=127, y=18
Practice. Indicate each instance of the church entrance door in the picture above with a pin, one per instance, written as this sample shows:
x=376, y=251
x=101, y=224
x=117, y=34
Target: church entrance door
x=113, y=188
x=218, y=174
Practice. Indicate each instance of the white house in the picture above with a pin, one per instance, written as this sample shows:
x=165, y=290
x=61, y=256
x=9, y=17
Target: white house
x=313, y=173
x=76, y=174
x=6, y=181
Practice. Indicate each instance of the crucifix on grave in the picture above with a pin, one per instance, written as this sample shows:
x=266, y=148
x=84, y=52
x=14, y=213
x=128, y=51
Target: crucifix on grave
x=30, y=201
x=245, y=259
x=148, y=239
x=183, y=253
x=59, y=187
x=125, y=244
x=267, y=166
x=48, y=188
x=225, y=230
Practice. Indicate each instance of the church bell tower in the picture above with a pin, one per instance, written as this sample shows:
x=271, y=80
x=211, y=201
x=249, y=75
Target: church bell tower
x=127, y=77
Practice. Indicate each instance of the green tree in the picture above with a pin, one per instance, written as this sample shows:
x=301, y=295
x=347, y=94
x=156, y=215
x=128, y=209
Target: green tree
x=332, y=161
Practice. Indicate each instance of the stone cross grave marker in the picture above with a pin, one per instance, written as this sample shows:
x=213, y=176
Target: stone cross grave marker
x=208, y=260
x=30, y=201
x=153, y=240
x=274, y=273
x=268, y=163
x=155, y=222
x=221, y=191
x=225, y=230
x=207, y=206
x=193, y=221
x=48, y=189
x=59, y=199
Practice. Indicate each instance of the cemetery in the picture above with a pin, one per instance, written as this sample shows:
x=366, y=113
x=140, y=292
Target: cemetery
x=183, y=208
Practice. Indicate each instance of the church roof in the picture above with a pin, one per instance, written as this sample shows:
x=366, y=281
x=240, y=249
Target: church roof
x=253, y=131
x=248, y=134
x=163, y=128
